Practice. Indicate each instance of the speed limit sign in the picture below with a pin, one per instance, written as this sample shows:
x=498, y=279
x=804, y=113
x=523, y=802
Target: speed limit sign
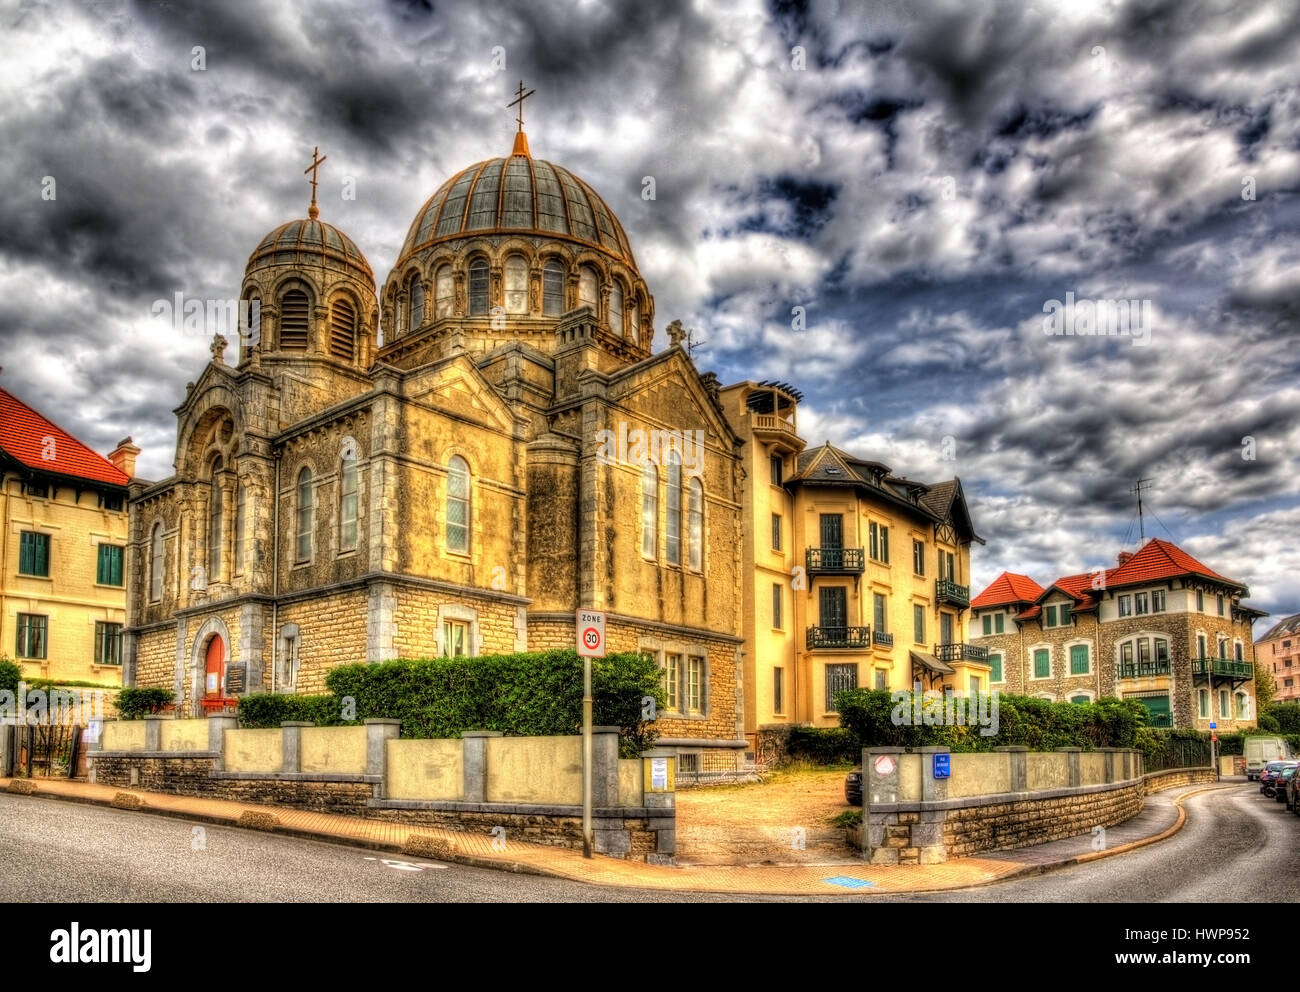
x=591, y=633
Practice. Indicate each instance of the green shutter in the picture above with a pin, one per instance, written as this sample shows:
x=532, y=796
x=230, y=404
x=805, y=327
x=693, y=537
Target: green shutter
x=995, y=662
x=988, y=626
x=1042, y=664
x=1079, y=659
x=1065, y=614
x=34, y=553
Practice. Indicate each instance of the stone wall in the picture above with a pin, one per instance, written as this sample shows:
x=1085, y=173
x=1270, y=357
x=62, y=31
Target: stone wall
x=1174, y=777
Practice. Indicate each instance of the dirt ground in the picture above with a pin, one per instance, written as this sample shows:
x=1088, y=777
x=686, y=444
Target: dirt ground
x=785, y=820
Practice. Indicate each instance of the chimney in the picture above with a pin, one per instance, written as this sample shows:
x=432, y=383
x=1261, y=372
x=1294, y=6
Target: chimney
x=1124, y=556
x=123, y=457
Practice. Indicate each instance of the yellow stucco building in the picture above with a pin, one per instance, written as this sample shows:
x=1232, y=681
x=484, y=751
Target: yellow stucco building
x=860, y=578
x=62, y=549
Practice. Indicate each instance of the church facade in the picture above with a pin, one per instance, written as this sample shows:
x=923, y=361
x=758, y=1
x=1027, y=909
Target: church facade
x=454, y=487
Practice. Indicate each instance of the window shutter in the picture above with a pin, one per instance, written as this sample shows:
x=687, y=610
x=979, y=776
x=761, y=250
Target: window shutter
x=293, y=321
x=343, y=330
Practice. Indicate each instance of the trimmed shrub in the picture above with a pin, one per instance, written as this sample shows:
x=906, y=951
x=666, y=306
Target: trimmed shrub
x=10, y=675
x=1286, y=715
x=267, y=709
x=136, y=704
x=823, y=745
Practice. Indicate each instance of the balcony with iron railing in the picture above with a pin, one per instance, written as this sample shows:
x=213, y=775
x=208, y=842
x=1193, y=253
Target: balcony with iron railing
x=1223, y=667
x=834, y=561
x=1144, y=669
x=961, y=652
x=883, y=639
x=948, y=591
x=839, y=637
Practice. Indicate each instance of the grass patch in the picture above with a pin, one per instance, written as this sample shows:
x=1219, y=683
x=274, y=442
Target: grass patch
x=849, y=818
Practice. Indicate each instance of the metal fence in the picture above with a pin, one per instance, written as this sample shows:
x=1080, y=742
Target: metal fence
x=1180, y=754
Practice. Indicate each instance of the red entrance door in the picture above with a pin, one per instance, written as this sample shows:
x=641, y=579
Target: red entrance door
x=214, y=668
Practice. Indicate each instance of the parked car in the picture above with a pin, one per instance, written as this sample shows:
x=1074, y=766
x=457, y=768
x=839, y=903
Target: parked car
x=1272, y=772
x=1282, y=781
x=1293, y=794
x=1259, y=751
x=853, y=787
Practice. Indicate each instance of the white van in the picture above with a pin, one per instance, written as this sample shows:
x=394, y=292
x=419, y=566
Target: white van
x=1261, y=750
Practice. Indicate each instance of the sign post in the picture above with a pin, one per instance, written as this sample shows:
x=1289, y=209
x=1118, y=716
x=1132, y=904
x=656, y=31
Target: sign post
x=590, y=629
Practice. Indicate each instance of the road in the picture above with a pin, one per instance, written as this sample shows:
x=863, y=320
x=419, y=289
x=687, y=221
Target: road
x=1237, y=846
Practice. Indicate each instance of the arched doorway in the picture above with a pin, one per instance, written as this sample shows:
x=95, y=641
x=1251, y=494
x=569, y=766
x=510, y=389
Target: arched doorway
x=214, y=667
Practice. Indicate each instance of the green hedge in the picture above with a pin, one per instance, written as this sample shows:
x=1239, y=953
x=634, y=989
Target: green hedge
x=534, y=694
x=136, y=704
x=824, y=745
x=1285, y=715
x=869, y=714
x=10, y=675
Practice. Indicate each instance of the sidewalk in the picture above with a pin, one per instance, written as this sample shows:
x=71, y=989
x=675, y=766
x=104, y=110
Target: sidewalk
x=1161, y=817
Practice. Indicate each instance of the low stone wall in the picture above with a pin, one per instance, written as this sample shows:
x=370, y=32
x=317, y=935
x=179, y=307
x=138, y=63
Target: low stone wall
x=531, y=791
x=1174, y=777
x=1004, y=800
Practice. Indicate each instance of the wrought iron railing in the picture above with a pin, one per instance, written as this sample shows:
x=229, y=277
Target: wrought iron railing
x=1143, y=669
x=1227, y=667
x=960, y=652
x=881, y=637
x=839, y=637
x=948, y=591
x=840, y=560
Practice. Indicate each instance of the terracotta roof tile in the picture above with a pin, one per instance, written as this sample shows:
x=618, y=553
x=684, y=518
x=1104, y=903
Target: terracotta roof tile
x=1009, y=587
x=22, y=436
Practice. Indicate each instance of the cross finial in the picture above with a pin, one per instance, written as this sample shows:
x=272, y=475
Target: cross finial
x=316, y=159
x=520, y=101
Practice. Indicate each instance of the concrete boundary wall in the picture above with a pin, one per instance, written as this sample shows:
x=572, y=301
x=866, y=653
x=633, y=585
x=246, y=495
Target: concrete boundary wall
x=528, y=788
x=999, y=800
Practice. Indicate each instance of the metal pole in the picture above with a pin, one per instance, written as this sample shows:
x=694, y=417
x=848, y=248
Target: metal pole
x=586, y=757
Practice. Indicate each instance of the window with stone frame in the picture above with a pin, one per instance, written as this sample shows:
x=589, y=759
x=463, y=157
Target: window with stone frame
x=348, y=504
x=455, y=638
x=696, y=686
x=516, y=284
x=478, y=287
x=306, y=517
x=672, y=681
x=157, y=563
x=1079, y=661
x=1139, y=603
x=649, y=511
x=458, y=505
x=995, y=663
x=444, y=292
x=1125, y=605
x=1042, y=663
x=1157, y=601
x=108, y=643
x=552, y=289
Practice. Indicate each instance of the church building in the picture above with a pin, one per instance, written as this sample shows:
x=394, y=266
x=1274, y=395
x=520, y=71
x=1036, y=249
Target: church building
x=450, y=486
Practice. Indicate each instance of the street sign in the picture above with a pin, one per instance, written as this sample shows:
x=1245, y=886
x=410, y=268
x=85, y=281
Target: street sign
x=942, y=768
x=1214, y=726
x=884, y=765
x=591, y=633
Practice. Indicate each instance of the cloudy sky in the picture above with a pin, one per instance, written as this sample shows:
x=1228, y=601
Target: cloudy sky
x=922, y=178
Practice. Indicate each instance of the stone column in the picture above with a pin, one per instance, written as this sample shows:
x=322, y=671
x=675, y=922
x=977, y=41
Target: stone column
x=1109, y=754
x=378, y=733
x=1072, y=761
x=153, y=732
x=880, y=787
x=604, y=767
x=1018, y=759
x=291, y=745
x=218, y=724
x=474, y=763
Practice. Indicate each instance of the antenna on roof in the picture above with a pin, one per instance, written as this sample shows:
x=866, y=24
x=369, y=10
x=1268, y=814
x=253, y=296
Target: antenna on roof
x=1139, y=487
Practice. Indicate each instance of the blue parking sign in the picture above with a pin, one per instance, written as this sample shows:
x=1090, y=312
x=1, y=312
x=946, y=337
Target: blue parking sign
x=941, y=766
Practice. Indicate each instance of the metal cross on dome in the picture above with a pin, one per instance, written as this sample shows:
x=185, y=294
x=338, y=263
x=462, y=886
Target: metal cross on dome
x=317, y=159
x=520, y=101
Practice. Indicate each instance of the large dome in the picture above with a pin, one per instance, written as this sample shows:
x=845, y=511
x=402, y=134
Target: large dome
x=311, y=242
x=518, y=194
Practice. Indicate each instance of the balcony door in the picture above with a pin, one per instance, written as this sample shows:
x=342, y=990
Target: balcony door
x=945, y=628
x=833, y=610
x=832, y=540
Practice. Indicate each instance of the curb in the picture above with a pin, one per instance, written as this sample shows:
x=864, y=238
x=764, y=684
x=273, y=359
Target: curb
x=525, y=868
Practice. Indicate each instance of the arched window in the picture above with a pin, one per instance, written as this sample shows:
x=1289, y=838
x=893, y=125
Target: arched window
x=516, y=284
x=294, y=310
x=696, y=526
x=649, y=510
x=478, y=287
x=588, y=288
x=616, y=308
x=214, y=524
x=348, y=504
x=444, y=292
x=631, y=321
x=673, y=516
x=552, y=289
x=304, y=516
x=252, y=322
x=241, y=524
x=414, y=303
x=343, y=329
x=458, y=505
x=157, y=563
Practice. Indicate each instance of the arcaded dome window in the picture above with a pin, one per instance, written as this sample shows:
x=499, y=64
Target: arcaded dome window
x=252, y=328
x=444, y=292
x=587, y=288
x=415, y=303
x=157, y=562
x=631, y=320
x=214, y=523
x=516, y=284
x=294, y=310
x=553, y=289
x=616, y=308
x=478, y=287
x=343, y=329
x=458, y=505
x=304, y=516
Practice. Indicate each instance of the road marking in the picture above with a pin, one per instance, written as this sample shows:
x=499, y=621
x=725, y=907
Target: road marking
x=406, y=865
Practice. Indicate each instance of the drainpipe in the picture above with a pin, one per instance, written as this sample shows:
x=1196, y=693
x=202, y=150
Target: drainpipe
x=4, y=547
x=275, y=572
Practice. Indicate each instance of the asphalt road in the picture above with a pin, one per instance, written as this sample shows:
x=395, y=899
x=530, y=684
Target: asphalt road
x=1237, y=846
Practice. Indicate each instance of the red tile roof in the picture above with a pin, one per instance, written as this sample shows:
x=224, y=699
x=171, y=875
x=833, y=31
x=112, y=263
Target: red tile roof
x=22, y=436
x=1157, y=560
x=1009, y=587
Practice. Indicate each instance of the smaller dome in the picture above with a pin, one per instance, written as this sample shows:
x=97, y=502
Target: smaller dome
x=310, y=242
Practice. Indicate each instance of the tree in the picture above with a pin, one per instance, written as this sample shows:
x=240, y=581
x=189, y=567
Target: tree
x=1265, y=687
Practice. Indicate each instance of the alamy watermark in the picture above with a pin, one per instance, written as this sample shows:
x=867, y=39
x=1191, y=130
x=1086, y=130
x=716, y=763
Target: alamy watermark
x=932, y=708
x=651, y=447
x=1098, y=318
x=57, y=707
x=201, y=317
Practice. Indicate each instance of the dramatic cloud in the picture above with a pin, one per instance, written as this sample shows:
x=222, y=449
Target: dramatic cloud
x=922, y=179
